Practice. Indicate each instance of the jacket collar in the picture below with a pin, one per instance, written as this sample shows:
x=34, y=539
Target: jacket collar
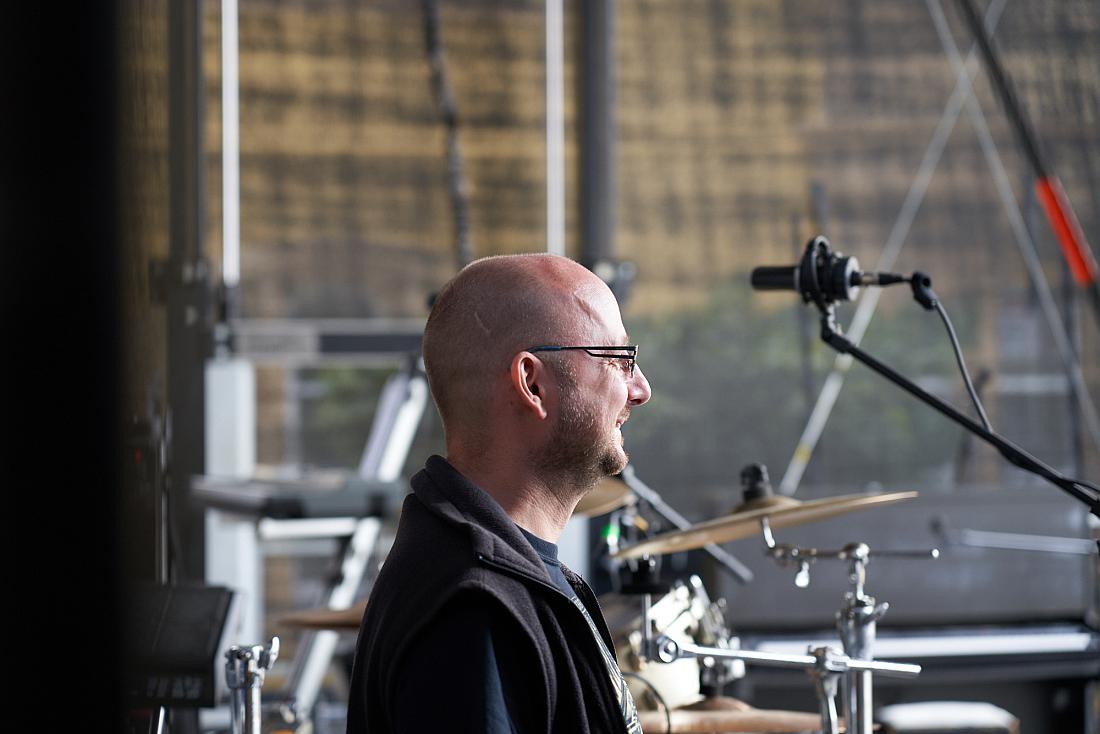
x=449, y=494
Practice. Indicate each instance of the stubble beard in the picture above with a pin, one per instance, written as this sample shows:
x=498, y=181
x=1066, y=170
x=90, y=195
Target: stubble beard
x=581, y=452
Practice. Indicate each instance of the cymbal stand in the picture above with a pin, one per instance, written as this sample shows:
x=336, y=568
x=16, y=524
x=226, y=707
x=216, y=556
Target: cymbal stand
x=856, y=621
x=826, y=674
x=245, y=669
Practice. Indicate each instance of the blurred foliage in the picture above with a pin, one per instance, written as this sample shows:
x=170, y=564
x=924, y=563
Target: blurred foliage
x=729, y=389
x=338, y=408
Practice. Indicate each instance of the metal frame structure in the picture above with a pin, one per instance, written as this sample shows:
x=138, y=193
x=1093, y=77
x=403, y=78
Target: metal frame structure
x=961, y=96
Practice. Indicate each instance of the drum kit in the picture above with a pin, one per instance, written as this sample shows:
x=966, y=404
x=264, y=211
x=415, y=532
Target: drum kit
x=672, y=642
x=661, y=640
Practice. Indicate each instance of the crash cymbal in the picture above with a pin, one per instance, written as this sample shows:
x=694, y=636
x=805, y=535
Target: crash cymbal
x=779, y=511
x=610, y=494
x=327, y=619
x=755, y=720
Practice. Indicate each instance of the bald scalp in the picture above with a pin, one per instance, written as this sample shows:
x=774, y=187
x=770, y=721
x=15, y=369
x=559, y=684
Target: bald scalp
x=494, y=308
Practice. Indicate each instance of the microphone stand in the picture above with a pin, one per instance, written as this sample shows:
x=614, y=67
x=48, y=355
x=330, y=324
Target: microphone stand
x=922, y=292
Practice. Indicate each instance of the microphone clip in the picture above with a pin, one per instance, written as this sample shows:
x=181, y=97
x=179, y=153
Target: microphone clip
x=921, y=285
x=825, y=277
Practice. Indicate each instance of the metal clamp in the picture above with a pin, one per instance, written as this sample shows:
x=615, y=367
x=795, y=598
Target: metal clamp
x=245, y=670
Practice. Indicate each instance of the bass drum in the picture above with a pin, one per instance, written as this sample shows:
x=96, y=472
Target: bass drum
x=687, y=615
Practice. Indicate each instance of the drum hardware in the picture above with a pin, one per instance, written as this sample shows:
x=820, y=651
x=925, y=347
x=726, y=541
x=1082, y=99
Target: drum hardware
x=826, y=674
x=971, y=538
x=855, y=621
x=683, y=611
x=744, y=521
x=643, y=576
x=825, y=665
x=713, y=632
x=802, y=558
x=642, y=491
x=245, y=669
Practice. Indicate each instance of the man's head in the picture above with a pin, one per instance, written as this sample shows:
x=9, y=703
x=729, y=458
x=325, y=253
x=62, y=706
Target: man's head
x=562, y=409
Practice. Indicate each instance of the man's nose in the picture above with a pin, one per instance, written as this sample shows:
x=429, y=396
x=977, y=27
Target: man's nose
x=639, y=391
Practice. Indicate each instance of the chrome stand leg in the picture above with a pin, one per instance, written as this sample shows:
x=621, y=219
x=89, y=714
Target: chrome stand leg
x=826, y=678
x=158, y=720
x=856, y=623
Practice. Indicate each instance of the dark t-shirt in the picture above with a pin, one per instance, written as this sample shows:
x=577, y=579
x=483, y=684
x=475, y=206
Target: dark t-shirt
x=548, y=552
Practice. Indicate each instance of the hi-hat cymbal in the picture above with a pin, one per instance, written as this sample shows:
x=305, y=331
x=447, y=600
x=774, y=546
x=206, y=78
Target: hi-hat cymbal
x=779, y=511
x=327, y=619
x=610, y=494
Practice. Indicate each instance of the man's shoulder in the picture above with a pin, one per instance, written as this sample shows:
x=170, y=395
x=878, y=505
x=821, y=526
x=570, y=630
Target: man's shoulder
x=431, y=559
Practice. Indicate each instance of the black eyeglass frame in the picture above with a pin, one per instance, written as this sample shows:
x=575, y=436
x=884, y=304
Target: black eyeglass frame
x=598, y=351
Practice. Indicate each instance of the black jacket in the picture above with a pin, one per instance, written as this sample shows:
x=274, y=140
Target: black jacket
x=455, y=547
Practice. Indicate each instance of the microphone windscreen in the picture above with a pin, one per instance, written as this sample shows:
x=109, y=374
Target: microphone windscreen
x=775, y=278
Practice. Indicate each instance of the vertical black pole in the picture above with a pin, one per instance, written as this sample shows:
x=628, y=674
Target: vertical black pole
x=597, y=111
x=187, y=286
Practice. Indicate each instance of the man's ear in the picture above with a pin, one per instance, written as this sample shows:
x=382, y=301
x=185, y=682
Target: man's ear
x=531, y=381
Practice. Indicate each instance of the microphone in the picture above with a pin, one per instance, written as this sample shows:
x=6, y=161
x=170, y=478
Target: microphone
x=822, y=276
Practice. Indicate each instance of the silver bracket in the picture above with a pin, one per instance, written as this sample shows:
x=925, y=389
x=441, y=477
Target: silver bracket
x=245, y=670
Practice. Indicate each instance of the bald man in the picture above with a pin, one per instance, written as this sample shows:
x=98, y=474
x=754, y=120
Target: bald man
x=474, y=625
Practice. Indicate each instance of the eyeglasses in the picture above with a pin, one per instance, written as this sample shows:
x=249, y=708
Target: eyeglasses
x=628, y=352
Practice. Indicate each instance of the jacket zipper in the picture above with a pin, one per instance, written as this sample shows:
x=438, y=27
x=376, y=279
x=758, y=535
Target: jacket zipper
x=519, y=574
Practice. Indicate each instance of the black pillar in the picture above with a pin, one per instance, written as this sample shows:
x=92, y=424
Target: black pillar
x=186, y=287
x=597, y=139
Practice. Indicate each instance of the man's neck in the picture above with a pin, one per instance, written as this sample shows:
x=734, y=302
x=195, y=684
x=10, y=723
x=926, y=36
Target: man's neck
x=534, y=503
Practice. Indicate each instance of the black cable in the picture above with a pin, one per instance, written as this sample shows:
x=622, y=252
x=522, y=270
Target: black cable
x=1053, y=476
x=657, y=695
x=962, y=365
x=830, y=334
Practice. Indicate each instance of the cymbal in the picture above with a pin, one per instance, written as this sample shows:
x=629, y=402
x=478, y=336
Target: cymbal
x=779, y=511
x=610, y=494
x=752, y=720
x=717, y=703
x=327, y=619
